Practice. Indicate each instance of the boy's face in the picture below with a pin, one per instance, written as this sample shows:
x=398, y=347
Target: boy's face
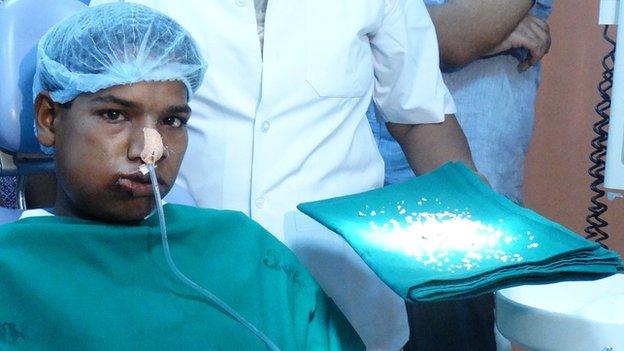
x=98, y=142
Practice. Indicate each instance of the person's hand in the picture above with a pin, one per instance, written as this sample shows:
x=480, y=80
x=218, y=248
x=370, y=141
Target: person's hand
x=531, y=33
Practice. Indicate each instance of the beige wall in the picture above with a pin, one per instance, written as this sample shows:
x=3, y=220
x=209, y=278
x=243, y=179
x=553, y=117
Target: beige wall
x=557, y=183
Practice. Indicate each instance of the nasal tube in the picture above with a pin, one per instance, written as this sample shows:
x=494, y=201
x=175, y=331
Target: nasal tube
x=152, y=152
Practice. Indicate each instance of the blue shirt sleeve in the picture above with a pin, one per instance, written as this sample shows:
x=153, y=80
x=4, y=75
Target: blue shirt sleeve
x=434, y=2
x=542, y=9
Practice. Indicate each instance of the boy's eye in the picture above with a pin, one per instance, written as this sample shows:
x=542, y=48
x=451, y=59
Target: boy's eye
x=174, y=121
x=113, y=115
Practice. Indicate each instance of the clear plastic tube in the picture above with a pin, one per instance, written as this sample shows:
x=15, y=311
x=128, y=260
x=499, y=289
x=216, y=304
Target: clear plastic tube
x=184, y=279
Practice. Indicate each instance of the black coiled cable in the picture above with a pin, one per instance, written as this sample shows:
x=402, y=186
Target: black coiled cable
x=596, y=224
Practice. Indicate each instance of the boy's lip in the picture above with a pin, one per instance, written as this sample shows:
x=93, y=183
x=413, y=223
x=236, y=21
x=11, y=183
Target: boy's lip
x=137, y=184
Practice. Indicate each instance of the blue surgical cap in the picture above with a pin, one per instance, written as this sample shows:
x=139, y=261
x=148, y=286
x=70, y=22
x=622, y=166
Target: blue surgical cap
x=115, y=44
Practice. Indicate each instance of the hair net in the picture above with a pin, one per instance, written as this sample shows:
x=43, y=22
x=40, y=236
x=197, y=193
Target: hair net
x=115, y=44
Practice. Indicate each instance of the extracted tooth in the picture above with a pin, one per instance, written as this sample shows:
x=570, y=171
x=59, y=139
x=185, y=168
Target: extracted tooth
x=153, y=146
x=143, y=169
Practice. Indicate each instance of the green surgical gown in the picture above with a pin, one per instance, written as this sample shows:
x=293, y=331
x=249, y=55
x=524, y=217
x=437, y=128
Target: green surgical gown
x=73, y=284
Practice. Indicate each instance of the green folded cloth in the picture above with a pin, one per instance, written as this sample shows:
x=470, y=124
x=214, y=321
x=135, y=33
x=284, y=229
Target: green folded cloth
x=446, y=235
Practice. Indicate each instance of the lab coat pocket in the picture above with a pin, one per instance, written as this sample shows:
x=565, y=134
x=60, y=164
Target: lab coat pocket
x=338, y=55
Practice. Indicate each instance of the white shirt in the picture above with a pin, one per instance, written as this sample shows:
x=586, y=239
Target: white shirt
x=271, y=130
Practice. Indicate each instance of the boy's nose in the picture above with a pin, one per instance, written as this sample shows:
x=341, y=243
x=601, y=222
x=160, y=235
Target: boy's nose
x=146, y=145
x=153, y=148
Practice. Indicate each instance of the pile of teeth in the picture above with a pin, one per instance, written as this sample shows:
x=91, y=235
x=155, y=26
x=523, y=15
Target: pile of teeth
x=447, y=240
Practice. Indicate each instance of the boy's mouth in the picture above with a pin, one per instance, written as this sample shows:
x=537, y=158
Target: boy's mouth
x=137, y=184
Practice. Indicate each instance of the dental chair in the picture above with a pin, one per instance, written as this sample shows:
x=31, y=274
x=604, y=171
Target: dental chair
x=22, y=23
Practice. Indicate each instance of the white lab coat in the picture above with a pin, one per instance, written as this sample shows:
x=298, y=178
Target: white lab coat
x=272, y=130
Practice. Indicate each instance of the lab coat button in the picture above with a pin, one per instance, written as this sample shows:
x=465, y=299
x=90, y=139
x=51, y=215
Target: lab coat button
x=260, y=201
x=266, y=126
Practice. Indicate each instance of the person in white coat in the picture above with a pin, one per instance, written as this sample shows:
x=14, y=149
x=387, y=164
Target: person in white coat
x=280, y=120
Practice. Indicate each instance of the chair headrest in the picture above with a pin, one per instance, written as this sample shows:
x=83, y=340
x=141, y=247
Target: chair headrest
x=22, y=24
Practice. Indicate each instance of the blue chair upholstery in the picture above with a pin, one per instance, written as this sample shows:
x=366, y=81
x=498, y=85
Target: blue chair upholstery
x=22, y=23
x=8, y=215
